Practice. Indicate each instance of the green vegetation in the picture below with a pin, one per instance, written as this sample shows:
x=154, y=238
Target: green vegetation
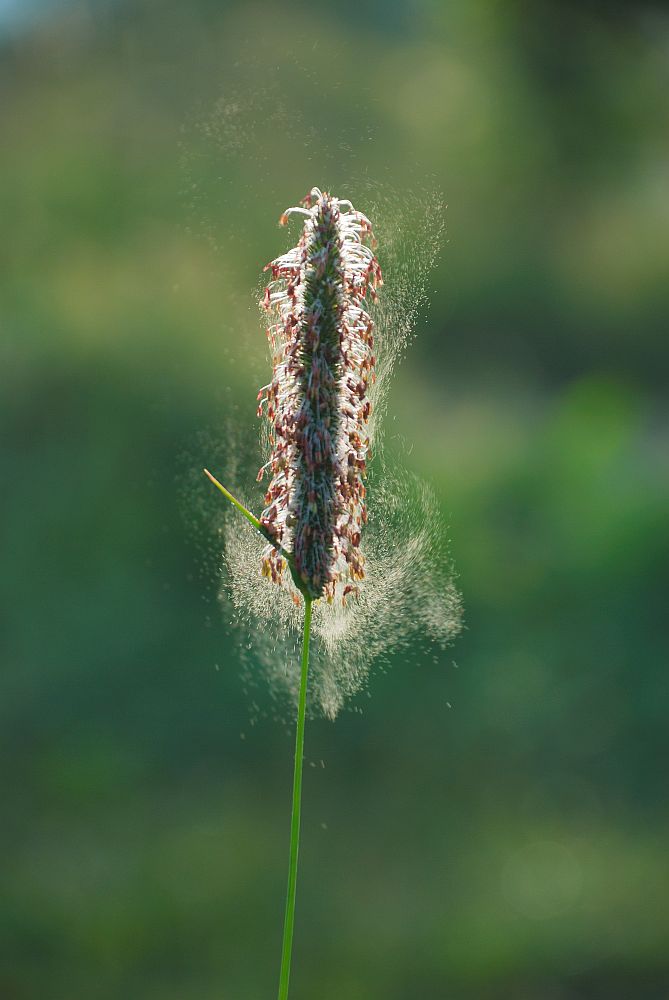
x=510, y=846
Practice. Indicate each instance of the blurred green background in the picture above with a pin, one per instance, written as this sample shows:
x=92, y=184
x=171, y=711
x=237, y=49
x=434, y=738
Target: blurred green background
x=493, y=826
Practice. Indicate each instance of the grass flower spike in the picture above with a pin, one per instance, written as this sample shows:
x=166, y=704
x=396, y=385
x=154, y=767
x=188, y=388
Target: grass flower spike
x=317, y=406
x=317, y=403
x=317, y=409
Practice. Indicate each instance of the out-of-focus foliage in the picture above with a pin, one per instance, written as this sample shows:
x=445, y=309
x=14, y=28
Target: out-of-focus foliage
x=494, y=831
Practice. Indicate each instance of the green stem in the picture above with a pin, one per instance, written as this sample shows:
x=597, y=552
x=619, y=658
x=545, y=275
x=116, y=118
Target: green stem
x=289, y=920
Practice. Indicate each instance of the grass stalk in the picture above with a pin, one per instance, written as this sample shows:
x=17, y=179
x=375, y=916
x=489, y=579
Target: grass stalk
x=289, y=919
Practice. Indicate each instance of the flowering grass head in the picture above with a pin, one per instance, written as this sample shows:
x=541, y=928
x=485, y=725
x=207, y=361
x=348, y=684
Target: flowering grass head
x=322, y=343
x=318, y=411
x=334, y=347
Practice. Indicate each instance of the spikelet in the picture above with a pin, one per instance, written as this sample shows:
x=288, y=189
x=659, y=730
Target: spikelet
x=322, y=346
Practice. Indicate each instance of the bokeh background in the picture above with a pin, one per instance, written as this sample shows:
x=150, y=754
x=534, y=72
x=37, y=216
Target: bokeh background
x=493, y=824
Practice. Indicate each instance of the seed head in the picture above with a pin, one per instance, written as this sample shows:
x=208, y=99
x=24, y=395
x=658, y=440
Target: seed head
x=322, y=346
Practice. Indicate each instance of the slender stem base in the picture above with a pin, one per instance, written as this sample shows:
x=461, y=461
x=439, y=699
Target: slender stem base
x=289, y=919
